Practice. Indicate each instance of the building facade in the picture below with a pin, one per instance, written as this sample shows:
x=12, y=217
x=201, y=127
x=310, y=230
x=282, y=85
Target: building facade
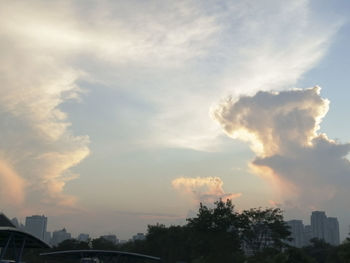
x=59, y=236
x=322, y=227
x=36, y=225
x=296, y=227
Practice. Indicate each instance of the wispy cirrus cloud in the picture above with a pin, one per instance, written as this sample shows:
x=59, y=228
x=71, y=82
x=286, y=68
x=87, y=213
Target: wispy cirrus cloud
x=40, y=68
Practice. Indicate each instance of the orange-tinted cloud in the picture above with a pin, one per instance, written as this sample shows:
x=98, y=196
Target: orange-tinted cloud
x=12, y=186
x=203, y=189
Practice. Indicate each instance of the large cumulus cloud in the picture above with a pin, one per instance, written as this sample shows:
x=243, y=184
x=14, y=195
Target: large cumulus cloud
x=305, y=166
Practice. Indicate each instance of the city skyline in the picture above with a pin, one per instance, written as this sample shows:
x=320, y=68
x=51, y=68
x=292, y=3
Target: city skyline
x=320, y=226
x=125, y=114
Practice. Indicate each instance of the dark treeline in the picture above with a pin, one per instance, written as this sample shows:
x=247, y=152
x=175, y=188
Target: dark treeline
x=221, y=234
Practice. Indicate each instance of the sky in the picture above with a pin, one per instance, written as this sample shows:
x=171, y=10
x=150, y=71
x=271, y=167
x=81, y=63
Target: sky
x=119, y=114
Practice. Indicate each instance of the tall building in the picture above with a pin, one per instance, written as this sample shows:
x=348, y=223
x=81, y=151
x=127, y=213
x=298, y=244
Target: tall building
x=307, y=235
x=47, y=237
x=296, y=227
x=36, y=225
x=319, y=224
x=59, y=236
x=333, y=231
x=326, y=228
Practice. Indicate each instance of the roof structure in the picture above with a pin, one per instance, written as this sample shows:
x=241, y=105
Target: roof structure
x=5, y=221
x=17, y=236
x=12, y=237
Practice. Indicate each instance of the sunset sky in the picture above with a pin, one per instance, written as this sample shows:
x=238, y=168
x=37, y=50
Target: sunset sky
x=119, y=114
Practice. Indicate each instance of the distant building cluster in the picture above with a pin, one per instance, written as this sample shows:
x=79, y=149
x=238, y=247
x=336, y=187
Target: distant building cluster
x=321, y=227
x=37, y=226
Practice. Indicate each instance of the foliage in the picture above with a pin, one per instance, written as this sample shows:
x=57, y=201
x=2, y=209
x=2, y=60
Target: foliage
x=263, y=228
x=102, y=243
x=214, y=234
x=72, y=244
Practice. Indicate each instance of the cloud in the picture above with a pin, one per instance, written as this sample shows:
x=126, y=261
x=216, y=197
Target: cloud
x=282, y=128
x=11, y=185
x=46, y=46
x=203, y=189
x=35, y=136
x=158, y=54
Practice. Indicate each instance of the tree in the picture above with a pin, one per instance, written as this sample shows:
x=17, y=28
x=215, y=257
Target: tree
x=169, y=243
x=343, y=252
x=263, y=228
x=214, y=234
x=319, y=250
x=102, y=243
x=72, y=244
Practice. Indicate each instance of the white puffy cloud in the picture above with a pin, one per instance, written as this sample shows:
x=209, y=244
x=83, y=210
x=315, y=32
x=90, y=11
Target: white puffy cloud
x=282, y=129
x=203, y=189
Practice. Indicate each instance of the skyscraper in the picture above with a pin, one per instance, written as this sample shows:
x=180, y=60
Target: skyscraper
x=333, y=231
x=297, y=232
x=307, y=235
x=319, y=224
x=36, y=225
x=326, y=228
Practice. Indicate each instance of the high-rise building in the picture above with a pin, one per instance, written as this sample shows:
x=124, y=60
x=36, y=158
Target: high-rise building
x=47, y=237
x=333, y=231
x=296, y=227
x=326, y=228
x=36, y=225
x=307, y=235
x=59, y=236
x=319, y=224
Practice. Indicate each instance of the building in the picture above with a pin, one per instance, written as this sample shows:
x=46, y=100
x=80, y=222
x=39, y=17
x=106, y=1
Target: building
x=307, y=235
x=326, y=228
x=319, y=225
x=36, y=225
x=333, y=231
x=296, y=227
x=84, y=237
x=112, y=238
x=322, y=227
x=15, y=222
x=47, y=237
x=139, y=236
x=59, y=236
